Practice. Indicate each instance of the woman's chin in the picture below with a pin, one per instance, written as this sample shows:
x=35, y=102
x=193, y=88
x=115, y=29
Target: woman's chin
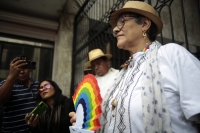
x=120, y=46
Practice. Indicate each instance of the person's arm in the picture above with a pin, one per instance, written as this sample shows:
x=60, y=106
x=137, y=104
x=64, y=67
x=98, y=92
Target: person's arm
x=72, y=113
x=6, y=88
x=187, y=70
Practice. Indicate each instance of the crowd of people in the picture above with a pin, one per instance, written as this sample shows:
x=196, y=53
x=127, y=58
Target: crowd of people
x=20, y=94
x=157, y=90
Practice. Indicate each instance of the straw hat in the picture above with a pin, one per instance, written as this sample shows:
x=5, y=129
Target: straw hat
x=94, y=54
x=138, y=7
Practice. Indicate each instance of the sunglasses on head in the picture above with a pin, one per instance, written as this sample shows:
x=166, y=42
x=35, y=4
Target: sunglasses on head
x=46, y=86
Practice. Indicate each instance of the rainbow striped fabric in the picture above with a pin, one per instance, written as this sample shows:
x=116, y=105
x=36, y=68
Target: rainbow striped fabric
x=88, y=96
x=131, y=58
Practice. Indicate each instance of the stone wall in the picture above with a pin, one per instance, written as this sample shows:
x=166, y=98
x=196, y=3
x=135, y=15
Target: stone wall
x=63, y=54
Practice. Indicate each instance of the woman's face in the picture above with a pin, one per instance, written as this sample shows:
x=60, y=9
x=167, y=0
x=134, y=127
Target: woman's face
x=128, y=32
x=46, y=90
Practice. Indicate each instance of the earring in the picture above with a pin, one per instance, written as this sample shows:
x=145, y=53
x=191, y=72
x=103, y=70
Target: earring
x=144, y=35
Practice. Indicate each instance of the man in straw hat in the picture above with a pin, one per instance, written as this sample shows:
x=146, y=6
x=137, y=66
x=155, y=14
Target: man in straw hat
x=99, y=62
x=105, y=75
x=158, y=89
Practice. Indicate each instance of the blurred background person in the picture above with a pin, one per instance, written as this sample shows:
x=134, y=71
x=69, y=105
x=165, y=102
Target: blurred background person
x=56, y=118
x=18, y=96
x=88, y=70
x=99, y=62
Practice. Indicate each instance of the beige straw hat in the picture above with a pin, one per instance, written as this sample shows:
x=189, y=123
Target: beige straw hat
x=94, y=54
x=138, y=7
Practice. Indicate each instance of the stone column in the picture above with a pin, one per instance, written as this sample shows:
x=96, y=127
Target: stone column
x=63, y=54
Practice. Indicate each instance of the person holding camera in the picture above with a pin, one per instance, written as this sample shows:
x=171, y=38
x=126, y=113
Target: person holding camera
x=18, y=94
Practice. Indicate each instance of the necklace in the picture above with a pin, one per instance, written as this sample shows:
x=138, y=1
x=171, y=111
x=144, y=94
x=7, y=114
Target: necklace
x=127, y=62
x=115, y=100
x=131, y=58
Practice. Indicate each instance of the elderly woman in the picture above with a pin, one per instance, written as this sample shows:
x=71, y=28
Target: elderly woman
x=157, y=91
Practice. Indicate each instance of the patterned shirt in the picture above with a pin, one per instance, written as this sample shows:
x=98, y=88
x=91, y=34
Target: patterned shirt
x=22, y=102
x=180, y=75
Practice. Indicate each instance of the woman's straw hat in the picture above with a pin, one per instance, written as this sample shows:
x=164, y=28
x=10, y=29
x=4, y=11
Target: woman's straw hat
x=138, y=7
x=94, y=54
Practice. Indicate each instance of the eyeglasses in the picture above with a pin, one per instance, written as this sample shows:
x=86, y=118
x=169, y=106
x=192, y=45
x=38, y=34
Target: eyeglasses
x=121, y=21
x=42, y=88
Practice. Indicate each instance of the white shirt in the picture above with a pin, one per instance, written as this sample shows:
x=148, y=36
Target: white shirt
x=180, y=73
x=106, y=81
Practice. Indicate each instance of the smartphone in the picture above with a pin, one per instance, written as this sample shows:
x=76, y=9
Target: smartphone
x=39, y=109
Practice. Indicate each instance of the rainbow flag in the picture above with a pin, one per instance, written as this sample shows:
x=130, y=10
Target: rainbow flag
x=87, y=102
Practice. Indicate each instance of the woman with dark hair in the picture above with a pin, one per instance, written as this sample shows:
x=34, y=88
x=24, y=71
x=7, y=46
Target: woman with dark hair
x=56, y=118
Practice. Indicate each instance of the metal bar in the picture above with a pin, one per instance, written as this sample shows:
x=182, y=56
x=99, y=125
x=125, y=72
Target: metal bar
x=184, y=25
x=84, y=45
x=1, y=51
x=198, y=8
x=172, y=29
x=74, y=47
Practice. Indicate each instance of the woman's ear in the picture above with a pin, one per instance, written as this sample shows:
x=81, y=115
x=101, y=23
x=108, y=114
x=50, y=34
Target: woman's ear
x=146, y=24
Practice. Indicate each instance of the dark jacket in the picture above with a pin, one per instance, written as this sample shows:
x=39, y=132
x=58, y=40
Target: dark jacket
x=66, y=107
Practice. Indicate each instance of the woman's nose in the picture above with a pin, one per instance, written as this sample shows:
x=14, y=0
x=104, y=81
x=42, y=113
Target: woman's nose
x=115, y=31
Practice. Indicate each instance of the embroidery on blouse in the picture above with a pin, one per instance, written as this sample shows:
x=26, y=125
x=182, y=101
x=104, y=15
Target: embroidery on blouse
x=121, y=110
x=149, y=99
x=131, y=58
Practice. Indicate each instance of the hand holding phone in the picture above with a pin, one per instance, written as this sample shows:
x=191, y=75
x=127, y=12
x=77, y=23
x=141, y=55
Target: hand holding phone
x=39, y=109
